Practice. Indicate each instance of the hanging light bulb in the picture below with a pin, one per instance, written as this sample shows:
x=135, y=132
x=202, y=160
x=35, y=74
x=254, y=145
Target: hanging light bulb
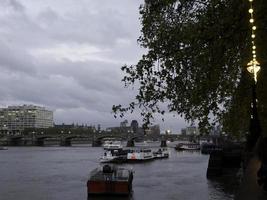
x=253, y=66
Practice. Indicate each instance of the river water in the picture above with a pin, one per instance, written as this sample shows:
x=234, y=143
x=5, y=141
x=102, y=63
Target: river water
x=60, y=173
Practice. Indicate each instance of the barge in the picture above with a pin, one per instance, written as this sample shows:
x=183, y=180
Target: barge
x=110, y=180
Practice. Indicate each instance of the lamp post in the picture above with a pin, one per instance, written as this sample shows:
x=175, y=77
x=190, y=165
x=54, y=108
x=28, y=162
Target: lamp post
x=253, y=67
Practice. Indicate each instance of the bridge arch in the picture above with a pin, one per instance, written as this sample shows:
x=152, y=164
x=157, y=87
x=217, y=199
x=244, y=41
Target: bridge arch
x=66, y=141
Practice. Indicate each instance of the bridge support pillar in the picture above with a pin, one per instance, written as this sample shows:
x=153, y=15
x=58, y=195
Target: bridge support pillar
x=39, y=142
x=163, y=143
x=96, y=143
x=65, y=142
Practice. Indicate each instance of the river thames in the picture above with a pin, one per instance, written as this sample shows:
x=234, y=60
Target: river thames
x=57, y=173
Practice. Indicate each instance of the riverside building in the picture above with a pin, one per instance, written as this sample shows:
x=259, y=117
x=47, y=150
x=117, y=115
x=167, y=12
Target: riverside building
x=14, y=119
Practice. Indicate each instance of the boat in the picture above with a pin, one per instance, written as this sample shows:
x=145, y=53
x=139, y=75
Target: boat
x=187, y=146
x=135, y=155
x=132, y=155
x=110, y=180
x=3, y=148
x=114, y=156
x=161, y=153
x=112, y=145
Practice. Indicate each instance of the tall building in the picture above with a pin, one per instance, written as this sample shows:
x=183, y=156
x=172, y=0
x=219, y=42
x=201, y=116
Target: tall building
x=15, y=119
x=134, y=125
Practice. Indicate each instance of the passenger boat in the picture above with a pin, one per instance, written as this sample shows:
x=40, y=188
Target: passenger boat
x=110, y=180
x=132, y=155
x=187, y=146
x=135, y=155
x=114, y=156
x=112, y=145
x=161, y=153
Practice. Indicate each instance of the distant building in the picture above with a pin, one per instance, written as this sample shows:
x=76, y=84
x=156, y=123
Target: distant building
x=134, y=125
x=124, y=123
x=134, y=129
x=190, y=130
x=153, y=130
x=183, y=131
x=74, y=126
x=14, y=119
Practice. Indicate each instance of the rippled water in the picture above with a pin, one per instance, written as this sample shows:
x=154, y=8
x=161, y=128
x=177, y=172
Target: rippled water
x=60, y=173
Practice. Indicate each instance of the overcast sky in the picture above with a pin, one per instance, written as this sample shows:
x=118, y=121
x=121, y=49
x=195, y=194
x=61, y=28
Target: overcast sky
x=66, y=55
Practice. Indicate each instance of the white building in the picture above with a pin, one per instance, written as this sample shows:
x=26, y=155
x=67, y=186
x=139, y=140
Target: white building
x=15, y=119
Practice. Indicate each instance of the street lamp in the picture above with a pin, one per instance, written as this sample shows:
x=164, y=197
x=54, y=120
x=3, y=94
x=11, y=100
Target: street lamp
x=253, y=67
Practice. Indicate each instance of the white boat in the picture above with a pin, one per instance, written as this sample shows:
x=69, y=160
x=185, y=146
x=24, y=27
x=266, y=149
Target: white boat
x=161, y=153
x=114, y=156
x=187, y=146
x=108, y=145
x=139, y=155
x=132, y=155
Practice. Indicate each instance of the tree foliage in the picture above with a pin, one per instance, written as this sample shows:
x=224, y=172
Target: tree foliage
x=197, y=51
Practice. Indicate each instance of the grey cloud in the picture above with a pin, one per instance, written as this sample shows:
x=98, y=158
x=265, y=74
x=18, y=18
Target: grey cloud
x=85, y=28
x=77, y=90
x=12, y=5
x=15, y=60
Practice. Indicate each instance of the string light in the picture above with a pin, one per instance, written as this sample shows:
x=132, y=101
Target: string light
x=253, y=65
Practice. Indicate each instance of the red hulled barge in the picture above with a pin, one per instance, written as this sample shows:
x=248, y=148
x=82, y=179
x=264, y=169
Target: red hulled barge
x=110, y=180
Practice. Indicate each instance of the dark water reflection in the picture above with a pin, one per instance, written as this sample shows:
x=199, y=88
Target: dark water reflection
x=60, y=173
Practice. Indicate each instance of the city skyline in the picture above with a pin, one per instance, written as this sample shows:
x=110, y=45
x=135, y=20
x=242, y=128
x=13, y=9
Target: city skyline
x=75, y=72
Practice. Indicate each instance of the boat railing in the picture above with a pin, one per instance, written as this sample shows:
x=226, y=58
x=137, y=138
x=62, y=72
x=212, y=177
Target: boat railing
x=115, y=175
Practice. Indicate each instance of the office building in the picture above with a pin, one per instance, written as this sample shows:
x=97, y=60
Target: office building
x=15, y=119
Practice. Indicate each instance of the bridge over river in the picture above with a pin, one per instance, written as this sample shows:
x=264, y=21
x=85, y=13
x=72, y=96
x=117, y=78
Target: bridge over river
x=61, y=140
x=95, y=140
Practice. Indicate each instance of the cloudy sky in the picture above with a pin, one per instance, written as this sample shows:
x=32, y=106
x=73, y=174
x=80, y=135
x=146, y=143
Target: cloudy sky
x=66, y=55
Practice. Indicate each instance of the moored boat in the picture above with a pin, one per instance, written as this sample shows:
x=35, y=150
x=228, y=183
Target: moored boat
x=187, y=146
x=161, y=153
x=110, y=180
x=135, y=155
x=108, y=145
x=114, y=156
